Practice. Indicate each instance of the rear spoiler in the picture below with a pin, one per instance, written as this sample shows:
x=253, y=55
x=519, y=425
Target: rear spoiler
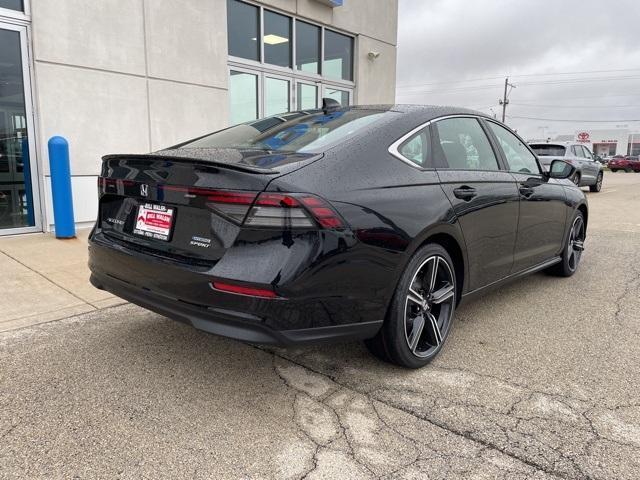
x=241, y=167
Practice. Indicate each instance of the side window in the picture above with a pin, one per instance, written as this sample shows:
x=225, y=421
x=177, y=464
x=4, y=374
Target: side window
x=464, y=145
x=519, y=157
x=416, y=148
x=576, y=151
x=587, y=154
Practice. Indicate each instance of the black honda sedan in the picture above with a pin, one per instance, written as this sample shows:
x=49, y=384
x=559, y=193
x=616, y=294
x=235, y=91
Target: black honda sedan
x=342, y=223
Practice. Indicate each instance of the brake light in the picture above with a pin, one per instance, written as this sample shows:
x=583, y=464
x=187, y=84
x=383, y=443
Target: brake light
x=292, y=211
x=242, y=290
x=266, y=209
x=234, y=205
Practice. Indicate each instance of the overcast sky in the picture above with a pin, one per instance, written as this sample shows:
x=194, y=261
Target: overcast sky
x=457, y=52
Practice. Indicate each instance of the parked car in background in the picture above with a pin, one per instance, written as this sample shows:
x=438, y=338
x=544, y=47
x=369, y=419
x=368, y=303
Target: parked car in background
x=588, y=171
x=335, y=224
x=627, y=163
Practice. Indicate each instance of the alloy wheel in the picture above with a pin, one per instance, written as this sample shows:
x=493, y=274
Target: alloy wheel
x=575, y=246
x=429, y=306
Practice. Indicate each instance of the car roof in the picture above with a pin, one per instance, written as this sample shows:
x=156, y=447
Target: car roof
x=432, y=111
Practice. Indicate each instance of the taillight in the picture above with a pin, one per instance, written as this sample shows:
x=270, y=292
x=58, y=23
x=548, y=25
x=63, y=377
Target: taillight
x=271, y=210
x=266, y=209
x=234, y=205
x=292, y=211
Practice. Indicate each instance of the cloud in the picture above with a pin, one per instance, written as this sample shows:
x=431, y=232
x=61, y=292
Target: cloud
x=458, y=52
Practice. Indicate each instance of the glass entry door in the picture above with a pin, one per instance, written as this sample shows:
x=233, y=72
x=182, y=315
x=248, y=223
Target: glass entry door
x=17, y=166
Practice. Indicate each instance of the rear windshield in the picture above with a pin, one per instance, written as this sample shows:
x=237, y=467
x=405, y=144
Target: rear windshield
x=302, y=132
x=546, y=150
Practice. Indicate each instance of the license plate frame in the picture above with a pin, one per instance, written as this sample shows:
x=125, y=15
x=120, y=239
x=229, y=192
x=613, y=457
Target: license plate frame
x=154, y=221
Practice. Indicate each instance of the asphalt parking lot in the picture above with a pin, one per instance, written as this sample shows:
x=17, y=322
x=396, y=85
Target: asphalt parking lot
x=538, y=380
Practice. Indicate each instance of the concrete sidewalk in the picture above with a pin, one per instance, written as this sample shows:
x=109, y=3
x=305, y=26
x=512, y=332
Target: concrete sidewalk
x=54, y=269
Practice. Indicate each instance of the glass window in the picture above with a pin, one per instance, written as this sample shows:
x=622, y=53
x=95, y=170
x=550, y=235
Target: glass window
x=276, y=96
x=415, y=148
x=16, y=202
x=242, y=30
x=338, y=56
x=307, y=96
x=341, y=96
x=12, y=4
x=548, y=150
x=465, y=145
x=307, y=47
x=586, y=153
x=243, y=95
x=519, y=157
x=306, y=133
x=277, y=39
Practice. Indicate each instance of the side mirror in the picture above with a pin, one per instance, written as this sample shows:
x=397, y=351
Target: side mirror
x=560, y=169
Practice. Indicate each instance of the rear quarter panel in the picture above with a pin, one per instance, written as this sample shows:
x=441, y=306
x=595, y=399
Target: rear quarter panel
x=391, y=207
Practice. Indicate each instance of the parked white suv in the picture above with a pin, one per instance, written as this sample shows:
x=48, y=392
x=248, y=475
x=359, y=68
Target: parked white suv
x=588, y=171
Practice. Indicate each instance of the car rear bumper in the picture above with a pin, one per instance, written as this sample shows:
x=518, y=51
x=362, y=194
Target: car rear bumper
x=161, y=286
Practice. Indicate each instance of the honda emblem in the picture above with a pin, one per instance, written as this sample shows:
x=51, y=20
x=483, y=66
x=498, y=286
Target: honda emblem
x=144, y=190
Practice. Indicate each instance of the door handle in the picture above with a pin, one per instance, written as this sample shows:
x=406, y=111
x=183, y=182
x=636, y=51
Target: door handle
x=526, y=190
x=465, y=193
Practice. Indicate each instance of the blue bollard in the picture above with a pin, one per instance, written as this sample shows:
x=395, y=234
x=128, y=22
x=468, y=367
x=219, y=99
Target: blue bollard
x=61, y=188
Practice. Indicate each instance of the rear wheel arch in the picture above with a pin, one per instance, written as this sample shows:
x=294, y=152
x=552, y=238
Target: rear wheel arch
x=453, y=248
x=585, y=214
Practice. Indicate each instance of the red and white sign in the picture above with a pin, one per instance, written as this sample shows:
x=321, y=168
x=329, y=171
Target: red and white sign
x=154, y=221
x=583, y=137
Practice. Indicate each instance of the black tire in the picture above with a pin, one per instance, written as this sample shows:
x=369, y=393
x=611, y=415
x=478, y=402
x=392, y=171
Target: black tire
x=596, y=187
x=419, y=320
x=614, y=170
x=572, y=249
x=576, y=179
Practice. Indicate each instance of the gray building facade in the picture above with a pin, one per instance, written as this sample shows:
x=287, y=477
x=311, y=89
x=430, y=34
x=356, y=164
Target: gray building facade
x=135, y=76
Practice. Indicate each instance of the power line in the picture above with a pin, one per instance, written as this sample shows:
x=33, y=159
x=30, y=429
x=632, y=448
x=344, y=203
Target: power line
x=580, y=80
x=521, y=75
x=533, y=84
x=541, y=105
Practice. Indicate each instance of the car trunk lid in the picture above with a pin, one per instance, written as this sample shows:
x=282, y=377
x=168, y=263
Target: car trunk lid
x=184, y=203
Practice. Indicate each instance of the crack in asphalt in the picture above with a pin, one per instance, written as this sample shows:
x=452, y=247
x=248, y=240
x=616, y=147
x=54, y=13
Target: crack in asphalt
x=530, y=438
x=628, y=289
x=480, y=444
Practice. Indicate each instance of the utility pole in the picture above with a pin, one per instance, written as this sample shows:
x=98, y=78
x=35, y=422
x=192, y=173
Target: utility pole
x=505, y=101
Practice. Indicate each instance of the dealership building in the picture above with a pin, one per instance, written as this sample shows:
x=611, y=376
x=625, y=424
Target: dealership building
x=603, y=142
x=134, y=76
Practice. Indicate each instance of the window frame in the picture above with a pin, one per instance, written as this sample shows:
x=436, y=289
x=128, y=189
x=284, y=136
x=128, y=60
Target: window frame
x=494, y=138
x=316, y=85
x=294, y=49
x=394, y=148
x=259, y=87
x=261, y=28
x=262, y=99
x=8, y=15
x=293, y=71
